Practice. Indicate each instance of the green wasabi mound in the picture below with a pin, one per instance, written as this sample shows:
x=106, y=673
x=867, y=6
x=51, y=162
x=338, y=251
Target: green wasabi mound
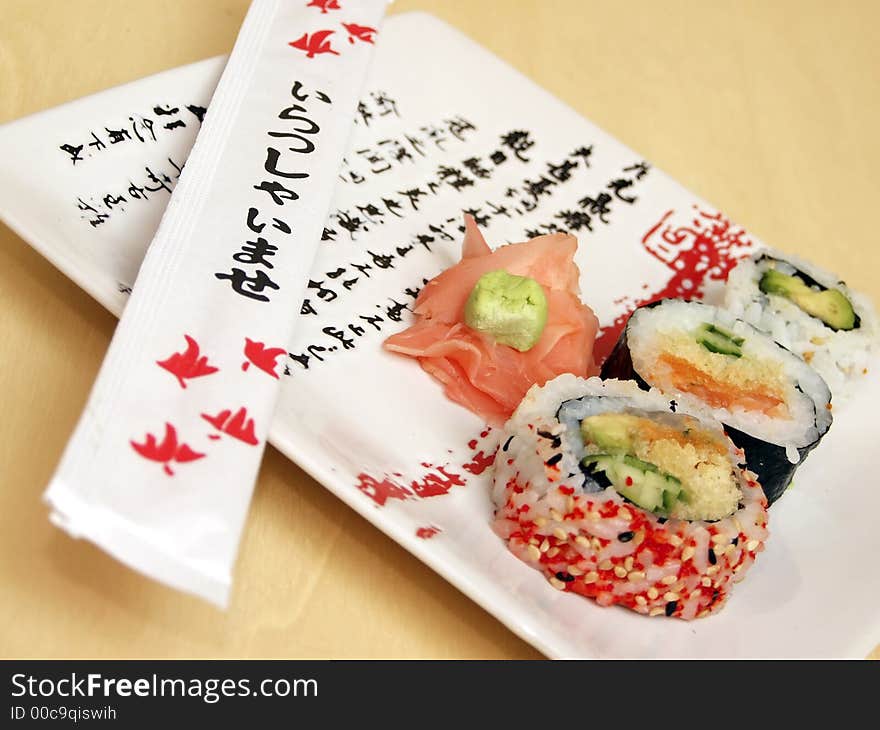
x=510, y=309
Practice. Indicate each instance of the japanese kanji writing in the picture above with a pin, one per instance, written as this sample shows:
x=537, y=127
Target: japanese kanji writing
x=283, y=168
x=97, y=210
x=137, y=129
x=407, y=148
x=596, y=207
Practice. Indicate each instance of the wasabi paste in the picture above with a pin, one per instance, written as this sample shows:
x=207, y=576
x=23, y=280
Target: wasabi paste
x=510, y=309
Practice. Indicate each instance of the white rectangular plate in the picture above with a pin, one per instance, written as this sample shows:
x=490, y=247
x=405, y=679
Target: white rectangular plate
x=378, y=432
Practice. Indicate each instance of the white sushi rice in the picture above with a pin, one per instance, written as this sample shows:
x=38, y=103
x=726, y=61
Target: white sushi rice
x=842, y=358
x=651, y=330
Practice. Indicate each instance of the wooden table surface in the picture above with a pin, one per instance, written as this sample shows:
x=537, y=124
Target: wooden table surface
x=769, y=110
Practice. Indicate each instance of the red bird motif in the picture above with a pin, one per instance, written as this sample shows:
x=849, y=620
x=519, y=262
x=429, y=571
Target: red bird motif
x=238, y=426
x=362, y=32
x=314, y=44
x=187, y=364
x=261, y=356
x=167, y=451
x=325, y=5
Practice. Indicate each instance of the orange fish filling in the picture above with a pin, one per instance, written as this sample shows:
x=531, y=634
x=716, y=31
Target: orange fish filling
x=685, y=376
x=651, y=431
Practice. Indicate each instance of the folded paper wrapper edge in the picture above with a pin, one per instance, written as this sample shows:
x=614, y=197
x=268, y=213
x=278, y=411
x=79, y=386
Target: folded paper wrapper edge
x=132, y=546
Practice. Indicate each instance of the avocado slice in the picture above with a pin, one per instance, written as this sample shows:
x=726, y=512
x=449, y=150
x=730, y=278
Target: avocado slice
x=830, y=306
x=719, y=340
x=609, y=431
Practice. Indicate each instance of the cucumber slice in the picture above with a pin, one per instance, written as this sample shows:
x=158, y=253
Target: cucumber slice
x=639, y=481
x=645, y=466
x=716, y=339
x=670, y=498
x=714, y=329
x=598, y=461
x=643, y=495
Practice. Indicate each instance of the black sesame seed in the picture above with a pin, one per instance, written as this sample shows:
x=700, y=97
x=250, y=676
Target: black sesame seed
x=662, y=520
x=595, y=476
x=553, y=460
x=715, y=595
x=564, y=577
x=670, y=607
x=556, y=440
x=712, y=558
x=626, y=536
x=507, y=444
x=736, y=540
x=672, y=405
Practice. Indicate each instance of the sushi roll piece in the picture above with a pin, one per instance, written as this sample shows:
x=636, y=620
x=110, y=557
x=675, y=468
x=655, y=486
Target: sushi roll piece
x=773, y=405
x=618, y=495
x=807, y=310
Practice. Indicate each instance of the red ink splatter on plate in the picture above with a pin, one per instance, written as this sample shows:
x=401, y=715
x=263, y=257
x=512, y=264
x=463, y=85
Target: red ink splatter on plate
x=381, y=491
x=167, y=451
x=479, y=463
x=436, y=481
x=187, y=364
